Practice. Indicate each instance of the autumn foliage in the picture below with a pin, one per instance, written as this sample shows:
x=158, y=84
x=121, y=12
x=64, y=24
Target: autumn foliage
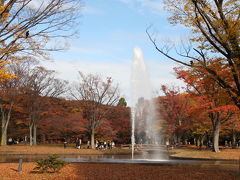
x=198, y=112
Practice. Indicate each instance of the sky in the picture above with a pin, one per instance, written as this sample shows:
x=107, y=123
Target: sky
x=108, y=33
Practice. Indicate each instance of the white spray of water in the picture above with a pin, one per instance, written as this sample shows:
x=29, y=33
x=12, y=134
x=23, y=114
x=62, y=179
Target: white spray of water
x=143, y=110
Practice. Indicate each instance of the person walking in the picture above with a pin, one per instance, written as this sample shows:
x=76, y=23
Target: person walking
x=80, y=143
x=105, y=144
x=77, y=144
x=88, y=144
x=64, y=143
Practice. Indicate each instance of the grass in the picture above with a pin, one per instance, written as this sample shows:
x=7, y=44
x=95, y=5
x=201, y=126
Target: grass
x=55, y=149
x=184, y=152
x=192, y=152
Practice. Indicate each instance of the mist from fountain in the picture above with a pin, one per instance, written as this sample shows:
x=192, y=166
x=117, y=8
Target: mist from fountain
x=143, y=112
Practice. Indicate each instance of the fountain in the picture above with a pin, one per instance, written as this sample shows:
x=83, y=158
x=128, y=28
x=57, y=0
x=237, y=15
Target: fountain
x=144, y=121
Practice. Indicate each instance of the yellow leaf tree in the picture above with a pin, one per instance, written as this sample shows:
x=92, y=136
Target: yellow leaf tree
x=27, y=28
x=216, y=34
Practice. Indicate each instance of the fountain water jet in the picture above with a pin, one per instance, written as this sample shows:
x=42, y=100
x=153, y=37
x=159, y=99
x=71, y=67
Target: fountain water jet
x=143, y=109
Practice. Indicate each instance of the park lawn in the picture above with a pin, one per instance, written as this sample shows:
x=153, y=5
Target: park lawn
x=185, y=152
x=44, y=149
x=78, y=171
x=190, y=152
x=56, y=149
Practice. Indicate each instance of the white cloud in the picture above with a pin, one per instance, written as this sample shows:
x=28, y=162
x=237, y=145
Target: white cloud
x=90, y=10
x=154, y=6
x=85, y=50
x=36, y=4
x=160, y=72
x=68, y=70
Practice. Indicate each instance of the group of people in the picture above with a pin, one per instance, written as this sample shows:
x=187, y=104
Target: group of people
x=105, y=145
x=11, y=141
x=230, y=144
x=78, y=143
x=101, y=145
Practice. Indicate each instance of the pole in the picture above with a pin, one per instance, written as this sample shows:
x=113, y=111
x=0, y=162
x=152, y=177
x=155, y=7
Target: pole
x=20, y=165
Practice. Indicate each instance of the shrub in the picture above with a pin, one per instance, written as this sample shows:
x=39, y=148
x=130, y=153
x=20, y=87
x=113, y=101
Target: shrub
x=51, y=164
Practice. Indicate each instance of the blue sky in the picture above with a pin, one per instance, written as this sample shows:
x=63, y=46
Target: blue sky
x=108, y=32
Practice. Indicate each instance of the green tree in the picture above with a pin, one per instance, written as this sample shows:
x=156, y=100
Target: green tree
x=122, y=102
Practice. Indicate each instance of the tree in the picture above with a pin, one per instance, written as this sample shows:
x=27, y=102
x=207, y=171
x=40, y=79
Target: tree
x=9, y=98
x=119, y=124
x=27, y=27
x=232, y=127
x=174, y=109
x=40, y=83
x=212, y=98
x=95, y=92
x=216, y=28
x=61, y=120
x=122, y=102
x=201, y=126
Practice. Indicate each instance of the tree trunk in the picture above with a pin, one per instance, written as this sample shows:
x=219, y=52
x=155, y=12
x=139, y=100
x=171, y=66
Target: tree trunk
x=202, y=139
x=5, y=121
x=185, y=141
x=4, y=136
x=43, y=138
x=234, y=138
x=92, y=139
x=216, y=130
x=174, y=138
x=30, y=135
x=198, y=142
x=179, y=139
x=34, y=134
x=3, y=132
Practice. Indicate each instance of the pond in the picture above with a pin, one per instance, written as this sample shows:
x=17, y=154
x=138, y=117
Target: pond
x=145, y=158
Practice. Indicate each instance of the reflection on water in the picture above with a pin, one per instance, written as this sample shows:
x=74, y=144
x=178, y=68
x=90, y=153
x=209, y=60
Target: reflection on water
x=84, y=158
x=144, y=158
x=15, y=158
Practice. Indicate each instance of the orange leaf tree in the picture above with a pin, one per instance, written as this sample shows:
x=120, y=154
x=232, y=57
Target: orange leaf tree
x=174, y=107
x=94, y=92
x=213, y=99
x=39, y=83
